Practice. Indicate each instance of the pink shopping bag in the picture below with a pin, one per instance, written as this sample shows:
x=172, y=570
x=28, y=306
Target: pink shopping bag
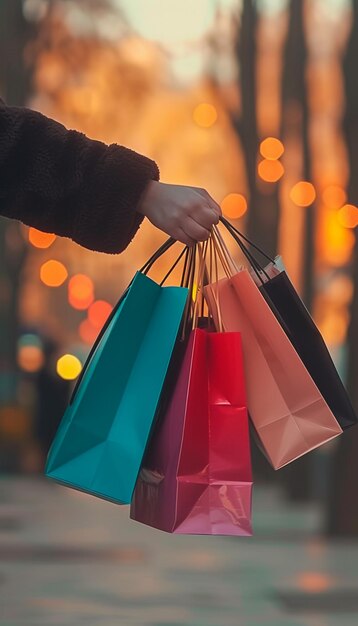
x=287, y=410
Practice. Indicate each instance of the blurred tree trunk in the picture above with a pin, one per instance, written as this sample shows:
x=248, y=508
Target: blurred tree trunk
x=343, y=501
x=263, y=213
x=297, y=477
x=295, y=119
x=14, y=87
x=15, y=32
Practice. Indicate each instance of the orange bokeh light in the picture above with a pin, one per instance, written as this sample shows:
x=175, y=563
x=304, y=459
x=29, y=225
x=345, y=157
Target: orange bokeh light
x=81, y=304
x=99, y=312
x=80, y=286
x=334, y=328
x=270, y=171
x=303, y=193
x=314, y=582
x=334, y=196
x=337, y=241
x=205, y=115
x=348, y=216
x=40, y=239
x=30, y=358
x=53, y=273
x=271, y=148
x=87, y=332
x=80, y=291
x=234, y=205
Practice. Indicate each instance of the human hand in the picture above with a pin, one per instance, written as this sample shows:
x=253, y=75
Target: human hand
x=185, y=213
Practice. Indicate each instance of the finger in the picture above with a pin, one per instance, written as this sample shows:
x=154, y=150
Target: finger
x=194, y=230
x=205, y=216
x=205, y=194
x=184, y=238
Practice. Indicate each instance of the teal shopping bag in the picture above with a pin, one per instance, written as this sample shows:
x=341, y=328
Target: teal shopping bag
x=101, y=440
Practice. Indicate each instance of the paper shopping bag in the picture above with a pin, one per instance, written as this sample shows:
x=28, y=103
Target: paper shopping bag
x=304, y=335
x=299, y=326
x=196, y=476
x=102, y=438
x=287, y=409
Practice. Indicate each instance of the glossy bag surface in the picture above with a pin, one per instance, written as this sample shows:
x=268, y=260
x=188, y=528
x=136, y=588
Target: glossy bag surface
x=289, y=413
x=196, y=476
x=101, y=440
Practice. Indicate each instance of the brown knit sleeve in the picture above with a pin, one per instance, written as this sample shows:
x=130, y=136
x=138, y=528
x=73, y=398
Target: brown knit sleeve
x=60, y=181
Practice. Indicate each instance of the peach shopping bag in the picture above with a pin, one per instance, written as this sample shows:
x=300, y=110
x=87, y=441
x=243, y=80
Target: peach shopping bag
x=287, y=410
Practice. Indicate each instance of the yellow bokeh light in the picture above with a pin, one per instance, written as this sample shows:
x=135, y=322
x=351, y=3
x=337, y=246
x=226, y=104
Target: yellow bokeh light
x=53, y=273
x=334, y=196
x=40, y=239
x=270, y=171
x=30, y=358
x=205, y=115
x=348, y=216
x=271, y=148
x=303, y=193
x=234, y=205
x=68, y=367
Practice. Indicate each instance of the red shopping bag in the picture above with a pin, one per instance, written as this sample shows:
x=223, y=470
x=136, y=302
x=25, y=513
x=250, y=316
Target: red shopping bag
x=196, y=477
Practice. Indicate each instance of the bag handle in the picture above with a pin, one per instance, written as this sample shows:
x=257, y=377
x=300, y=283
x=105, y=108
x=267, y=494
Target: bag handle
x=215, y=252
x=144, y=270
x=256, y=266
x=246, y=252
x=202, y=252
x=232, y=228
x=157, y=254
x=188, y=280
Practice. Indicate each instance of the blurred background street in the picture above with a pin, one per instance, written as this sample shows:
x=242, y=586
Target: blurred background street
x=67, y=558
x=256, y=101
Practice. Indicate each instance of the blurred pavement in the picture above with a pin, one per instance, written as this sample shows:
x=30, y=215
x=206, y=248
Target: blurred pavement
x=69, y=559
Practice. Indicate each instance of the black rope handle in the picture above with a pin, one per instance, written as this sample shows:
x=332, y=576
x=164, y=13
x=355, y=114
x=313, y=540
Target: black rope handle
x=249, y=256
x=189, y=284
x=157, y=254
x=228, y=224
x=144, y=270
x=258, y=269
x=185, y=266
x=173, y=267
x=256, y=266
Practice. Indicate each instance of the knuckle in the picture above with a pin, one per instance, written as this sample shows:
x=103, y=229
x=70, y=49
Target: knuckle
x=178, y=219
x=203, y=235
x=191, y=207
